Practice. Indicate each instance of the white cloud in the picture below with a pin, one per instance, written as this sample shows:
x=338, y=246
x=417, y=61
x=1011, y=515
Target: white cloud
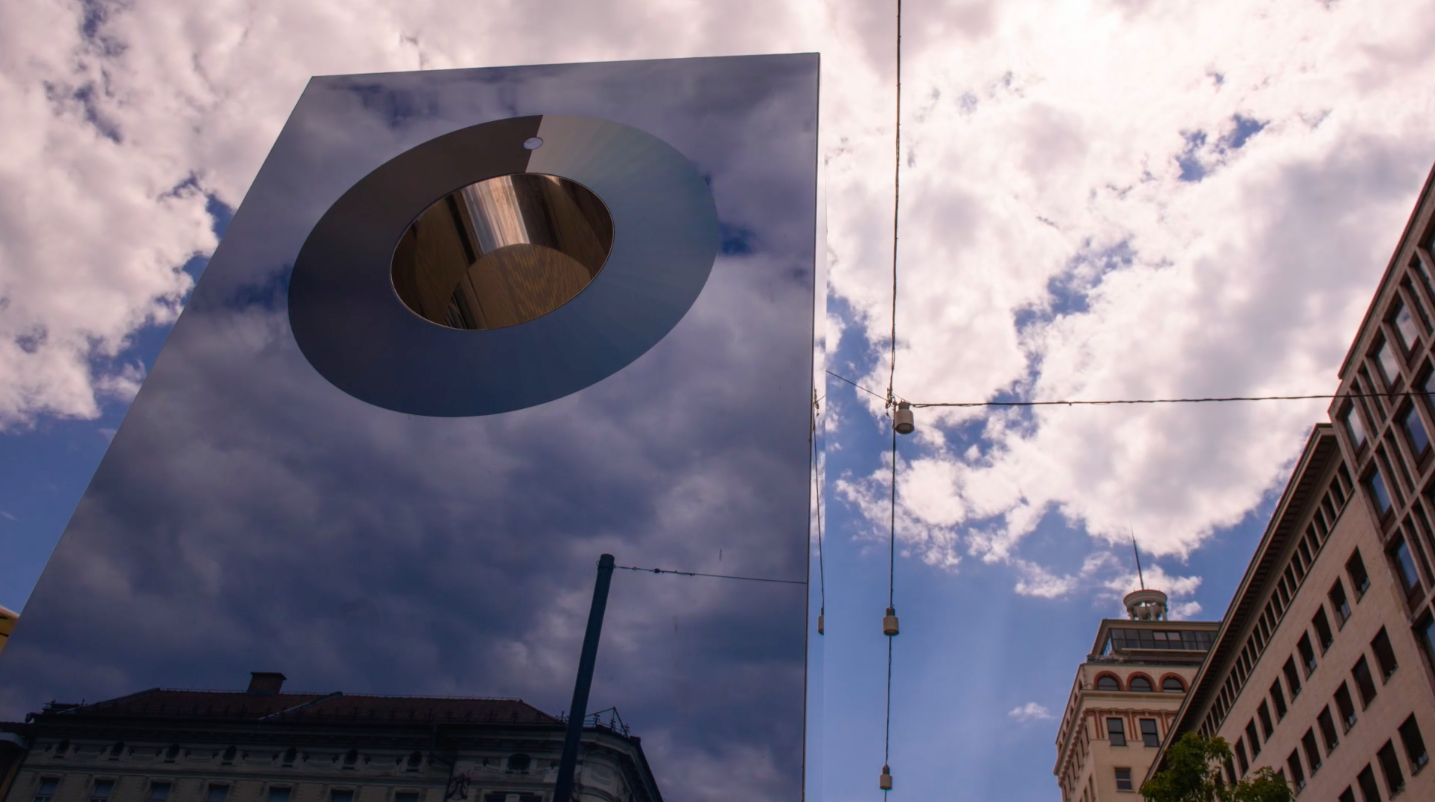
x=1052, y=250
x=1031, y=711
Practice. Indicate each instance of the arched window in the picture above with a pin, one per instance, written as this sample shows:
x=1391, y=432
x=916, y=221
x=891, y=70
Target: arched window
x=414, y=760
x=229, y=754
x=518, y=762
x=289, y=756
x=117, y=750
x=350, y=758
x=1141, y=684
x=1106, y=682
x=1172, y=685
x=62, y=748
x=171, y=753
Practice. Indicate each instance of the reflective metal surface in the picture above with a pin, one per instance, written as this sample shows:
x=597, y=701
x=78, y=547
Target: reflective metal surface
x=257, y=511
x=502, y=252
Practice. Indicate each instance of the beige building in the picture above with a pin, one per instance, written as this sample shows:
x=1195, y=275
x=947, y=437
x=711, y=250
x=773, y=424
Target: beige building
x=1125, y=698
x=264, y=745
x=1322, y=669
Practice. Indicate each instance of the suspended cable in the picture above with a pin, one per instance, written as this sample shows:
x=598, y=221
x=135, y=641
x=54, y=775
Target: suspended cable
x=889, y=621
x=916, y=404
x=896, y=207
x=817, y=500
x=714, y=576
x=1110, y=402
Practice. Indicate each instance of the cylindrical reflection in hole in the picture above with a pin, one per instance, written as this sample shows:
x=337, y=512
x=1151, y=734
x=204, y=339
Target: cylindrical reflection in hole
x=502, y=252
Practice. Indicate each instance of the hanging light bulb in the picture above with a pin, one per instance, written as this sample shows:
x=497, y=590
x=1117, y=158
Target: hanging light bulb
x=889, y=622
x=819, y=621
x=902, y=419
x=885, y=783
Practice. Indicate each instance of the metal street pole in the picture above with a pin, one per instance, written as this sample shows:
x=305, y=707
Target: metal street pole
x=579, y=709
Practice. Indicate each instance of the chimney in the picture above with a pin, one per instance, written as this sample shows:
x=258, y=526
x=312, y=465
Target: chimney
x=265, y=683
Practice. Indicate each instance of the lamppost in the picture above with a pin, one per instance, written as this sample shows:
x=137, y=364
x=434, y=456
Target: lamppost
x=578, y=711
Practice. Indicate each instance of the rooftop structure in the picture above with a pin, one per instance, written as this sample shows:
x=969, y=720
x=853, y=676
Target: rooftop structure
x=1125, y=697
x=264, y=744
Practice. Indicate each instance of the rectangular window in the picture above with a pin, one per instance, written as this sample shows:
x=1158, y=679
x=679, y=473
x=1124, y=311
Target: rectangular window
x=1148, y=732
x=1230, y=772
x=101, y=791
x=1116, y=731
x=1251, y=736
x=1292, y=677
x=1404, y=564
x=1312, y=752
x=1390, y=767
x=1346, y=707
x=406, y=796
x=46, y=791
x=1414, y=744
x=1364, y=682
x=1339, y=603
x=1264, y=712
x=217, y=793
x=1384, y=654
x=1359, y=579
x=1347, y=796
x=1366, y=781
x=1379, y=493
x=341, y=796
x=1354, y=427
x=158, y=792
x=278, y=795
x=1241, y=760
x=1297, y=773
x=1388, y=363
x=1425, y=628
x=1415, y=432
x=1323, y=635
x=1278, y=699
x=1327, y=729
x=1307, y=654
x=1123, y=780
x=1404, y=324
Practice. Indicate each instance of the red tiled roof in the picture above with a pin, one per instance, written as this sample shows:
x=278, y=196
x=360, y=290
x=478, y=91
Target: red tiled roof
x=316, y=707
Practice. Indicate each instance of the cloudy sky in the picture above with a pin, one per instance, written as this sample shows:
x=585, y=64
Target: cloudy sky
x=1100, y=200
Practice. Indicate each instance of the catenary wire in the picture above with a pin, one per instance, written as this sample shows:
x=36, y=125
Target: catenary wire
x=817, y=491
x=891, y=401
x=713, y=576
x=1116, y=401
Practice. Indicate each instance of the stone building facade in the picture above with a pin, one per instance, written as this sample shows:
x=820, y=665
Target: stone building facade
x=1323, y=669
x=1125, y=698
x=264, y=745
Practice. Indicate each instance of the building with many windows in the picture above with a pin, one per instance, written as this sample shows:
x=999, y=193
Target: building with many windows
x=1125, y=698
x=264, y=745
x=1323, y=668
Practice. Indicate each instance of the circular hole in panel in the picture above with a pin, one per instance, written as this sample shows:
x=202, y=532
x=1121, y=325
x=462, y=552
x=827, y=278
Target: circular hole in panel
x=533, y=143
x=502, y=251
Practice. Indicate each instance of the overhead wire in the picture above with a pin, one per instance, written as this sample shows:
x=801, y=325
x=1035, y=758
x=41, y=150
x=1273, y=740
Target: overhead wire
x=712, y=576
x=1116, y=401
x=817, y=502
x=891, y=403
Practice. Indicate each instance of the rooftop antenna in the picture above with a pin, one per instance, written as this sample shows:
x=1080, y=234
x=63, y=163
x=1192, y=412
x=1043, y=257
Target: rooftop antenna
x=1137, y=552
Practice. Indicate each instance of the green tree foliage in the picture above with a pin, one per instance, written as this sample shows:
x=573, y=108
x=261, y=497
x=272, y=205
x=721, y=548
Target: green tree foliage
x=1192, y=773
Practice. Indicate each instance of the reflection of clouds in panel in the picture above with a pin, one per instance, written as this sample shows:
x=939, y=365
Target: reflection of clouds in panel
x=251, y=516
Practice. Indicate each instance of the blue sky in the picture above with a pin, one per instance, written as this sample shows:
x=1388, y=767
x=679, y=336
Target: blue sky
x=1100, y=199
